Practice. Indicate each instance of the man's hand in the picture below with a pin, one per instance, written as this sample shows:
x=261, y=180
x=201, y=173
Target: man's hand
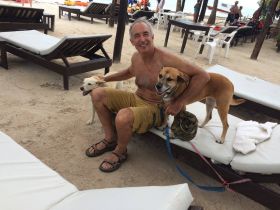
x=174, y=108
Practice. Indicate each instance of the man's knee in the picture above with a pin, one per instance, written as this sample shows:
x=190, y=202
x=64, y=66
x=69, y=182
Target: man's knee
x=98, y=94
x=124, y=117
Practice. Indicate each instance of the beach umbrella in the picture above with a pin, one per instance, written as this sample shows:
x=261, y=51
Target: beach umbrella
x=268, y=20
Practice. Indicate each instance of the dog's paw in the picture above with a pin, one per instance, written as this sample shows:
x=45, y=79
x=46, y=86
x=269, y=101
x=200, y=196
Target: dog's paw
x=161, y=128
x=201, y=125
x=90, y=122
x=219, y=141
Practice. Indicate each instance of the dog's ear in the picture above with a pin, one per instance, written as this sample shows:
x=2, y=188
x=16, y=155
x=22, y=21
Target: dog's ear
x=183, y=78
x=100, y=80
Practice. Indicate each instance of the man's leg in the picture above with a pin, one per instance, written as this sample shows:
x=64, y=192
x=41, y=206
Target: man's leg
x=105, y=116
x=124, y=125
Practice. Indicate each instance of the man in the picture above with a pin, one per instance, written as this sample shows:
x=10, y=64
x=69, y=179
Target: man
x=196, y=10
x=232, y=13
x=160, y=4
x=138, y=112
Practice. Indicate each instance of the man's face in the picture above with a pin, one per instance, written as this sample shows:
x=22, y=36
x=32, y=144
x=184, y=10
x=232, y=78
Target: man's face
x=142, y=38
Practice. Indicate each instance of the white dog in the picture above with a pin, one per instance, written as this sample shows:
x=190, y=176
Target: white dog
x=93, y=82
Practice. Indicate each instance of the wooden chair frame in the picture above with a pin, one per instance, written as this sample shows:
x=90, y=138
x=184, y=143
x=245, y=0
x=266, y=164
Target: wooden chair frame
x=14, y=18
x=86, y=47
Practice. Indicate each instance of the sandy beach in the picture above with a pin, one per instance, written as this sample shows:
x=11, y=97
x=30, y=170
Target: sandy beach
x=51, y=122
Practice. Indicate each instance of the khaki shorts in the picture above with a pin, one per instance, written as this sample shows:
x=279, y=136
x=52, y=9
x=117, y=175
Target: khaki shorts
x=146, y=115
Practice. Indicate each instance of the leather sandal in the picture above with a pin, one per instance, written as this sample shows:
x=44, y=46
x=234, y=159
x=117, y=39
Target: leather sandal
x=114, y=165
x=92, y=151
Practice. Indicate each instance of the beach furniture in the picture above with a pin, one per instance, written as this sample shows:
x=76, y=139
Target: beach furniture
x=28, y=184
x=186, y=26
x=13, y=18
x=243, y=33
x=260, y=166
x=93, y=10
x=140, y=13
x=221, y=40
x=44, y=50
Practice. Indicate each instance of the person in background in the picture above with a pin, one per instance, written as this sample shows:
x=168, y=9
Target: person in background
x=196, y=10
x=160, y=4
x=23, y=1
x=240, y=13
x=232, y=13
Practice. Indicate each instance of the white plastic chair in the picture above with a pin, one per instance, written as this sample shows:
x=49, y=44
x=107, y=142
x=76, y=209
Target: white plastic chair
x=160, y=18
x=197, y=35
x=222, y=40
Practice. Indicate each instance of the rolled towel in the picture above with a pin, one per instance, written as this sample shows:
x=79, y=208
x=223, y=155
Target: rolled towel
x=251, y=133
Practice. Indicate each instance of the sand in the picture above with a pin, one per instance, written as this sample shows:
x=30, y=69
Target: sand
x=51, y=122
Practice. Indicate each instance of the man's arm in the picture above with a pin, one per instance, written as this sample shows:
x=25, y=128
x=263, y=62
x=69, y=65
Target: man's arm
x=199, y=78
x=119, y=76
x=122, y=75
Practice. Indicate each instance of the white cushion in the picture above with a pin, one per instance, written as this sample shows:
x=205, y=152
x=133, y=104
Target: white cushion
x=31, y=40
x=28, y=184
x=25, y=182
x=266, y=158
x=37, y=42
x=205, y=139
x=251, y=88
x=132, y=198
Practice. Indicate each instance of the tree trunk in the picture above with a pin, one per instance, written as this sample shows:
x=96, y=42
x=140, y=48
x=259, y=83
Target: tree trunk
x=120, y=31
x=260, y=39
x=178, y=6
x=183, y=5
x=212, y=17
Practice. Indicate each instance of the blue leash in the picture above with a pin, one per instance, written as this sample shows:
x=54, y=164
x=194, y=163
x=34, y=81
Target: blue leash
x=183, y=173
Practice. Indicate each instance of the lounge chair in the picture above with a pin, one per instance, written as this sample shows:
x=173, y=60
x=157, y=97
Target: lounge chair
x=28, y=184
x=260, y=95
x=243, y=33
x=43, y=49
x=14, y=18
x=140, y=13
x=261, y=166
x=93, y=10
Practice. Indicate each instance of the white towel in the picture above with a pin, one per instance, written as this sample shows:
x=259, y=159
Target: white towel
x=250, y=133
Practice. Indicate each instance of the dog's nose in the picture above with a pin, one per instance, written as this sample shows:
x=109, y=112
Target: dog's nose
x=158, y=86
x=82, y=88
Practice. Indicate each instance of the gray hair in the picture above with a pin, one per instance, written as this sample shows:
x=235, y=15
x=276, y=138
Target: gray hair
x=141, y=20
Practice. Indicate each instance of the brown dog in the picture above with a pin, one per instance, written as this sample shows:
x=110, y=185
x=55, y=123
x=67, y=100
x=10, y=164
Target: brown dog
x=217, y=92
